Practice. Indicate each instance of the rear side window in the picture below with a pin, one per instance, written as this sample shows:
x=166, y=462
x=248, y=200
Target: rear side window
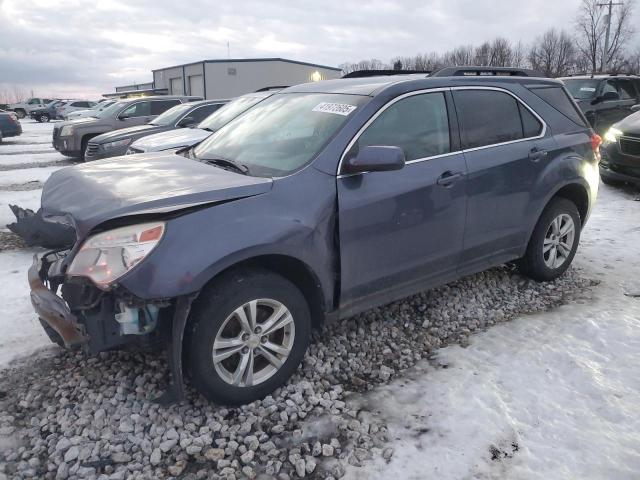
x=489, y=117
x=626, y=90
x=418, y=124
x=531, y=126
x=161, y=106
x=558, y=99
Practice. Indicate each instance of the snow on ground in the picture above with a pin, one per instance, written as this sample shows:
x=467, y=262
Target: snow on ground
x=553, y=395
x=25, y=175
x=21, y=331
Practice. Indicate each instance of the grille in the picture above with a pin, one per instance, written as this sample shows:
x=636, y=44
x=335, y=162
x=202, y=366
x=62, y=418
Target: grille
x=630, y=146
x=92, y=148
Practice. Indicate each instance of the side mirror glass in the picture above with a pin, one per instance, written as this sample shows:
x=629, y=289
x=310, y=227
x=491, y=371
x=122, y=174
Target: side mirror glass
x=123, y=117
x=376, y=159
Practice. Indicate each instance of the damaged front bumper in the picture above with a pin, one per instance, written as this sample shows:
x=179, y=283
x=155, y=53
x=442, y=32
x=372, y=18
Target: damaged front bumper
x=53, y=310
x=96, y=320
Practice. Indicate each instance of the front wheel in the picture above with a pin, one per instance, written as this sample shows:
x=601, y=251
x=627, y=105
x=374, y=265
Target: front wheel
x=43, y=118
x=553, y=243
x=20, y=113
x=247, y=334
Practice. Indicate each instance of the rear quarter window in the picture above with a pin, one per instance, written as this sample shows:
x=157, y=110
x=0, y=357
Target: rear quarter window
x=560, y=100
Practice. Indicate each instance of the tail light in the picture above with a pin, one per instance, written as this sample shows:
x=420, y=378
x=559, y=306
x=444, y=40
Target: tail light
x=596, y=141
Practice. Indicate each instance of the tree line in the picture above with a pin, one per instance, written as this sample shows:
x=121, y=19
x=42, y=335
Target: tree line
x=555, y=53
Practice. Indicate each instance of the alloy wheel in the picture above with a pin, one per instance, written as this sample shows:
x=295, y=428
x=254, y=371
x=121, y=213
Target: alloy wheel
x=253, y=342
x=558, y=241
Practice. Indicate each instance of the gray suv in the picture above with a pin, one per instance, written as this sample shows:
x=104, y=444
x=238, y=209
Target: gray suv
x=322, y=201
x=72, y=137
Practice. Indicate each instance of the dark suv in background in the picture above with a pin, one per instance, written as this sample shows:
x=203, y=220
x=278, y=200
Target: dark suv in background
x=322, y=201
x=605, y=99
x=72, y=137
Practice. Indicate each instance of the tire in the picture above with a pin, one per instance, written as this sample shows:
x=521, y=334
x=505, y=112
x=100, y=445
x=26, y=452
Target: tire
x=0, y=137
x=213, y=316
x=20, y=113
x=610, y=182
x=537, y=262
x=43, y=118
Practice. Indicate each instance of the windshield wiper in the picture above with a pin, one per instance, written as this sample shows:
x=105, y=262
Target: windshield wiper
x=226, y=164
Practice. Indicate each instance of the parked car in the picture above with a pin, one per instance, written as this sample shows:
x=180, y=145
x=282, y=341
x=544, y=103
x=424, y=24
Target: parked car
x=47, y=113
x=73, y=106
x=9, y=125
x=189, y=137
x=620, y=161
x=604, y=99
x=22, y=109
x=322, y=201
x=72, y=137
x=114, y=144
x=90, y=112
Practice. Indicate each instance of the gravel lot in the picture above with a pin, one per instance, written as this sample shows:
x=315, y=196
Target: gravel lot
x=63, y=415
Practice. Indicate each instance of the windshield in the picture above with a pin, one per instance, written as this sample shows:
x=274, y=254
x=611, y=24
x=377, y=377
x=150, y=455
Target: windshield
x=110, y=110
x=170, y=116
x=281, y=134
x=582, y=89
x=231, y=110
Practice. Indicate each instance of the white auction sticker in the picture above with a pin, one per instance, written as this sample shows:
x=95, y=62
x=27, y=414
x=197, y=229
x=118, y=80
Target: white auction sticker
x=337, y=108
x=587, y=89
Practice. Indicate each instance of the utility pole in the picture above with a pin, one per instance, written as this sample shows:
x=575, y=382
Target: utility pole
x=605, y=54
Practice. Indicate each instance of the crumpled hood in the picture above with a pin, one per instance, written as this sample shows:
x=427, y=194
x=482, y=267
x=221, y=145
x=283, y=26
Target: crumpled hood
x=90, y=194
x=125, y=133
x=182, y=137
x=630, y=124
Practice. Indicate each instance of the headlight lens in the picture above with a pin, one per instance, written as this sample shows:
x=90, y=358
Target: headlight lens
x=119, y=143
x=107, y=256
x=612, y=135
x=66, y=131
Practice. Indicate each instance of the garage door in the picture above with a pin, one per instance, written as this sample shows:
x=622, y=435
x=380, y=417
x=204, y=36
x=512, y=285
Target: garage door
x=196, y=86
x=176, y=86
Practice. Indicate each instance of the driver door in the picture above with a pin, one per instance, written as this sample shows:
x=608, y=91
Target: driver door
x=137, y=113
x=402, y=229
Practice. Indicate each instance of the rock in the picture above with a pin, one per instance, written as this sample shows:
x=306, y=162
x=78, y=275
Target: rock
x=214, y=454
x=327, y=450
x=168, y=444
x=301, y=468
x=155, y=457
x=71, y=454
x=247, y=457
x=121, y=457
x=177, y=468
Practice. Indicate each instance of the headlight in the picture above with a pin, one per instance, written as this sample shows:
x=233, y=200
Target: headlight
x=107, y=256
x=119, y=143
x=66, y=131
x=612, y=135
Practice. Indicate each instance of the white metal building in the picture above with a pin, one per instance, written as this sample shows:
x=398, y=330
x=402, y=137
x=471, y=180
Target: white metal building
x=233, y=77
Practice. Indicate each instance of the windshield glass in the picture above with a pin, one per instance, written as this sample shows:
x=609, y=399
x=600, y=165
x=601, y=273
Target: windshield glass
x=110, y=110
x=231, y=110
x=582, y=89
x=281, y=134
x=170, y=116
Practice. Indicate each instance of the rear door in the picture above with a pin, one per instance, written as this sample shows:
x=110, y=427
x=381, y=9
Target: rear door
x=400, y=227
x=505, y=150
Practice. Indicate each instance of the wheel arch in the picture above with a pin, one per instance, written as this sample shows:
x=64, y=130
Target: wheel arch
x=291, y=268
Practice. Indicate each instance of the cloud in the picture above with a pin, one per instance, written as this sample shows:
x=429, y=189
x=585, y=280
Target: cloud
x=84, y=48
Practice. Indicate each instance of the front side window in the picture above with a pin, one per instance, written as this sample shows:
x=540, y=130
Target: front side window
x=489, y=117
x=139, y=109
x=161, y=106
x=581, y=89
x=199, y=114
x=34, y=101
x=418, y=124
x=172, y=115
x=282, y=134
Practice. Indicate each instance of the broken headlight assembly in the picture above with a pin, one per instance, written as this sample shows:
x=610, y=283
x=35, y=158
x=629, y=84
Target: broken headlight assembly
x=107, y=256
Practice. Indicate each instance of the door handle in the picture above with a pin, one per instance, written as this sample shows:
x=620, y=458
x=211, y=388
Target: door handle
x=448, y=178
x=535, y=155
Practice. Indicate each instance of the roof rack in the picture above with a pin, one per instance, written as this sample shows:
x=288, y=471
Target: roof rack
x=376, y=73
x=268, y=89
x=473, y=71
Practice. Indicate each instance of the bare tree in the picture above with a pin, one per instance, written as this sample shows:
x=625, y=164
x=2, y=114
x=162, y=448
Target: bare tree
x=553, y=53
x=462, y=55
x=591, y=29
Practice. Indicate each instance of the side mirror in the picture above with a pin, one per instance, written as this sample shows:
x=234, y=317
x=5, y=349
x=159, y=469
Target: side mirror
x=123, y=117
x=376, y=159
x=608, y=97
x=636, y=108
x=186, y=122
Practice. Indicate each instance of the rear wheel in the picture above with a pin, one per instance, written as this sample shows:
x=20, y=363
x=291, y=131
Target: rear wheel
x=20, y=113
x=248, y=333
x=553, y=243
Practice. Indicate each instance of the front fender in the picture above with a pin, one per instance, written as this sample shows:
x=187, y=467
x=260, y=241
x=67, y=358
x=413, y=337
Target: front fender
x=296, y=220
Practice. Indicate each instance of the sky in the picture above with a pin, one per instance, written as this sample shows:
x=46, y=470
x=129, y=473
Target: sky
x=82, y=48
